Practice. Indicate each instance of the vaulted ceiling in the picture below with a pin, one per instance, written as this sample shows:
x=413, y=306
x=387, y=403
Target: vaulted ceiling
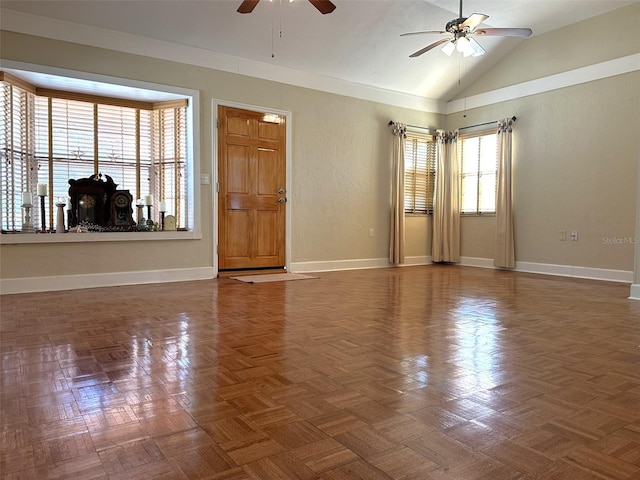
x=359, y=43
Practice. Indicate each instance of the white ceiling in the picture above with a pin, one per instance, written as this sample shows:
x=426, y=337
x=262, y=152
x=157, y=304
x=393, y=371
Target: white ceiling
x=359, y=42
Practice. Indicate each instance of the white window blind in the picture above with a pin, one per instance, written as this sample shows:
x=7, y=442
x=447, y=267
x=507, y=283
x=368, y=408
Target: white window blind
x=419, y=173
x=478, y=170
x=16, y=144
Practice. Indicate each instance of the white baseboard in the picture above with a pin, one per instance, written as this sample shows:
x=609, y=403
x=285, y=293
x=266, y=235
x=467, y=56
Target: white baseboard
x=359, y=264
x=476, y=262
x=72, y=282
x=335, y=265
x=608, y=275
x=526, y=267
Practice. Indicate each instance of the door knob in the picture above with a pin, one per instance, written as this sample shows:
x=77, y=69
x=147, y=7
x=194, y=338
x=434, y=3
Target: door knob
x=281, y=190
x=282, y=200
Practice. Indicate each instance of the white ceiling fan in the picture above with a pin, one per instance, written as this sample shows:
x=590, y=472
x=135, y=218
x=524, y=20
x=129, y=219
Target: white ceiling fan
x=460, y=32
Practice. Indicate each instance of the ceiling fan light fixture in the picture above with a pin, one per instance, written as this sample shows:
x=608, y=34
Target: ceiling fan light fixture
x=449, y=47
x=463, y=45
x=477, y=48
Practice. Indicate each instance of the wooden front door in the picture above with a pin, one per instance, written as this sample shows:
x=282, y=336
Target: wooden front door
x=252, y=196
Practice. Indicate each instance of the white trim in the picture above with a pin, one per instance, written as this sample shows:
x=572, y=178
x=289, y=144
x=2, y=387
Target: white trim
x=215, y=103
x=93, y=280
x=598, y=71
x=477, y=262
x=634, y=292
x=337, y=265
x=70, y=237
x=103, y=38
x=608, y=275
x=138, y=45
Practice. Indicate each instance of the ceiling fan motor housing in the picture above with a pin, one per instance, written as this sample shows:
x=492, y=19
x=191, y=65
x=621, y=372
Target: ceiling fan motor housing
x=453, y=25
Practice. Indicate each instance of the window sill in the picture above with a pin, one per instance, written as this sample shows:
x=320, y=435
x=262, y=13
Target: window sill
x=40, y=238
x=478, y=214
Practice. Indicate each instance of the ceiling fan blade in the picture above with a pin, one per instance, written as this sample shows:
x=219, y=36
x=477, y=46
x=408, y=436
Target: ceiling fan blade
x=247, y=6
x=474, y=20
x=504, y=32
x=429, y=47
x=323, y=6
x=423, y=33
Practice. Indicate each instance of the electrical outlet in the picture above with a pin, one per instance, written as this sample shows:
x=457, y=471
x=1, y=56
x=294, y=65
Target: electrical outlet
x=563, y=235
x=205, y=179
x=371, y=232
x=574, y=235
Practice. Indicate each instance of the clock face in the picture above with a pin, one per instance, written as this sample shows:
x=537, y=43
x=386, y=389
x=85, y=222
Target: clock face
x=121, y=201
x=87, y=201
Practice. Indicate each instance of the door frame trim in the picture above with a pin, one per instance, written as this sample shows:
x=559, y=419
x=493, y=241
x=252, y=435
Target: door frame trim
x=215, y=103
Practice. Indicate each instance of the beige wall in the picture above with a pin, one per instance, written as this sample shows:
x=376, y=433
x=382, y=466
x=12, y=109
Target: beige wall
x=576, y=161
x=576, y=153
x=340, y=168
x=575, y=148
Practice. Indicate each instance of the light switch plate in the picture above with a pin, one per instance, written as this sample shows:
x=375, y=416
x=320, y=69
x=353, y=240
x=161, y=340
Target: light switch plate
x=205, y=179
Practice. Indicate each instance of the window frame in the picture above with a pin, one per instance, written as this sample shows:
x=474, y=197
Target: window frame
x=419, y=135
x=131, y=91
x=479, y=212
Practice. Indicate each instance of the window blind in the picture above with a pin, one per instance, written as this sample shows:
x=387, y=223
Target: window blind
x=50, y=140
x=420, y=171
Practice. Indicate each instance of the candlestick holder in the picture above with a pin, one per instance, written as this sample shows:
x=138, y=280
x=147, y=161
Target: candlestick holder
x=43, y=221
x=27, y=225
x=140, y=215
x=60, y=218
x=150, y=224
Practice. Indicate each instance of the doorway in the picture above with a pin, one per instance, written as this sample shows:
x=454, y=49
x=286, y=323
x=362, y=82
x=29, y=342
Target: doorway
x=252, y=189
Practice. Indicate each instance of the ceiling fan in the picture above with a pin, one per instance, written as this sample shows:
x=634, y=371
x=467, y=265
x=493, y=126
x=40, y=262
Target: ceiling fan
x=323, y=6
x=463, y=29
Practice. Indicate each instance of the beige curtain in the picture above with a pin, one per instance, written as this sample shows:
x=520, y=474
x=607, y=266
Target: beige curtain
x=446, y=203
x=505, y=253
x=396, y=241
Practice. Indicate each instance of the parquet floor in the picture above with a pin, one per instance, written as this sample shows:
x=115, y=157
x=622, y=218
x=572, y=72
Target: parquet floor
x=436, y=372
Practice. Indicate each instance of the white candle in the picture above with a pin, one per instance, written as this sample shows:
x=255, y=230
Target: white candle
x=163, y=206
x=148, y=200
x=42, y=189
x=27, y=198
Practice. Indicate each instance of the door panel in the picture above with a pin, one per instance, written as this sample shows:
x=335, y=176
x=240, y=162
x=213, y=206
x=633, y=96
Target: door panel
x=251, y=214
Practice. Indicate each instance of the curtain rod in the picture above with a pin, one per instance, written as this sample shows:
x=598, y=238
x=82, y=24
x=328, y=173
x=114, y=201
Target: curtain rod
x=485, y=123
x=391, y=122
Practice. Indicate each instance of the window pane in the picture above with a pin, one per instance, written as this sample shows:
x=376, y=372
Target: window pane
x=478, y=164
x=488, y=160
x=469, y=193
x=488, y=193
x=117, y=151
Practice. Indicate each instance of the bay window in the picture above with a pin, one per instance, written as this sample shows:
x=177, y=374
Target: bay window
x=51, y=136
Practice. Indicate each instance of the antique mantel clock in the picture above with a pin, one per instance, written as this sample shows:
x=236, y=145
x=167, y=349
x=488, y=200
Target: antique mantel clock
x=90, y=200
x=121, y=209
